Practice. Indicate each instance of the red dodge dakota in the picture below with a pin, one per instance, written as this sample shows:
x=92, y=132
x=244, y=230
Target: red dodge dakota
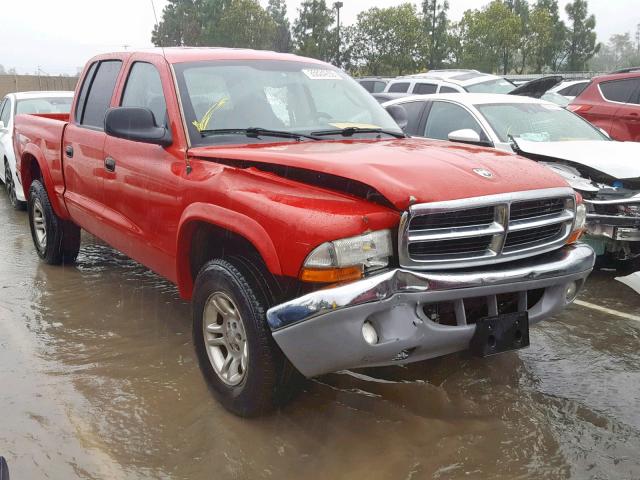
x=309, y=232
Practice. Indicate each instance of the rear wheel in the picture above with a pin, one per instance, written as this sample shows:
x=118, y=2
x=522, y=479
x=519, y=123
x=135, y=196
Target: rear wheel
x=11, y=188
x=57, y=241
x=243, y=366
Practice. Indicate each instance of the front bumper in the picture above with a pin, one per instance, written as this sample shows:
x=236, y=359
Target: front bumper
x=321, y=332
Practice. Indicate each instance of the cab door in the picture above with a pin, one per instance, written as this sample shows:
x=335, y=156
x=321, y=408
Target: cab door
x=83, y=143
x=141, y=186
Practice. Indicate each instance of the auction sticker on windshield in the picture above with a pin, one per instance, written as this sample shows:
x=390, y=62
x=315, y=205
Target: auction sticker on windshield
x=321, y=74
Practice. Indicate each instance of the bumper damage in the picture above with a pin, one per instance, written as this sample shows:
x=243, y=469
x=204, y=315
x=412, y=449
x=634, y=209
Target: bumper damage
x=322, y=331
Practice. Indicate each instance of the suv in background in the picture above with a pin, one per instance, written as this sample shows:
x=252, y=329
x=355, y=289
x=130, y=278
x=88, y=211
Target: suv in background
x=570, y=88
x=449, y=81
x=373, y=84
x=612, y=103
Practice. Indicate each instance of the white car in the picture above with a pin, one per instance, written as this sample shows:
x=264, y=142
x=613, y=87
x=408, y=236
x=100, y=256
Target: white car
x=12, y=105
x=570, y=89
x=605, y=172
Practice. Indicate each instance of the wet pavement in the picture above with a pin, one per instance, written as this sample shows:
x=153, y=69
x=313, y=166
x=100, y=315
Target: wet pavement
x=98, y=379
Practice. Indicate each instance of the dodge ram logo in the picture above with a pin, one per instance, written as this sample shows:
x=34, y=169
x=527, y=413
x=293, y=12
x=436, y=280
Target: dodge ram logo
x=483, y=172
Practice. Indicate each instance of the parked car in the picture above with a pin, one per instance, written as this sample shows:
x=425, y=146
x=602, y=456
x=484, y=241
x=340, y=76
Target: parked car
x=606, y=173
x=570, y=89
x=612, y=102
x=302, y=223
x=373, y=84
x=467, y=81
x=23, y=102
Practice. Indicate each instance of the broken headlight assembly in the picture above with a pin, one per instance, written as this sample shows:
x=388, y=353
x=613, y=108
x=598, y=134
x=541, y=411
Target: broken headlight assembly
x=348, y=258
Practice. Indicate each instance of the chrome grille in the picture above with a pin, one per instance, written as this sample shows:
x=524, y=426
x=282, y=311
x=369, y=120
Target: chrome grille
x=481, y=230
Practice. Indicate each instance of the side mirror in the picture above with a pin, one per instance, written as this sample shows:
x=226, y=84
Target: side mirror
x=466, y=135
x=399, y=115
x=136, y=124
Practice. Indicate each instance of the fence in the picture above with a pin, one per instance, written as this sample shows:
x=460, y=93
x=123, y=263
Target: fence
x=565, y=75
x=28, y=83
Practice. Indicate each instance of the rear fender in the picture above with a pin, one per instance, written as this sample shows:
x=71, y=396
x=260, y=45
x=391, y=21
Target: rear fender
x=27, y=176
x=220, y=217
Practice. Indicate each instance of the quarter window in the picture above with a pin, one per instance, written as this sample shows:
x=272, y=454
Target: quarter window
x=445, y=117
x=445, y=89
x=144, y=89
x=99, y=93
x=619, y=90
x=401, y=87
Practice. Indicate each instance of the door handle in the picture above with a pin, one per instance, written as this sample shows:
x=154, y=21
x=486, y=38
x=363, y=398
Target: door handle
x=110, y=164
x=68, y=151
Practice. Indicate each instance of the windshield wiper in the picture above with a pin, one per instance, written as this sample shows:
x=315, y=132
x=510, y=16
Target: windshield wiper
x=351, y=131
x=255, y=132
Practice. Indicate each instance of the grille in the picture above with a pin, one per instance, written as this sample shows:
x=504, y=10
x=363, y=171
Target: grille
x=532, y=236
x=447, y=247
x=461, y=218
x=476, y=231
x=537, y=208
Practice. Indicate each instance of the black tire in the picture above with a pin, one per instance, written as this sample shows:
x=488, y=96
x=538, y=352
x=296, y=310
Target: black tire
x=62, y=238
x=269, y=380
x=10, y=187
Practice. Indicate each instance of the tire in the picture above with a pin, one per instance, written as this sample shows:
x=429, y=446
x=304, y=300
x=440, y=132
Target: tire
x=622, y=267
x=258, y=378
x=57, y=241
x=10, y=186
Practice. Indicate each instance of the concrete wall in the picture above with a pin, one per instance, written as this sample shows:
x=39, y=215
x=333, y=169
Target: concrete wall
x=27, y=83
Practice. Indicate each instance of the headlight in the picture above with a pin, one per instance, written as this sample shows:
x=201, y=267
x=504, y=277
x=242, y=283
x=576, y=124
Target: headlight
x=579, y=223
x=348, y=258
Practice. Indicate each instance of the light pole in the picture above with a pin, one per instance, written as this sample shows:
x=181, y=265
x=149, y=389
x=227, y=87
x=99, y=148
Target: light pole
x=338, y=6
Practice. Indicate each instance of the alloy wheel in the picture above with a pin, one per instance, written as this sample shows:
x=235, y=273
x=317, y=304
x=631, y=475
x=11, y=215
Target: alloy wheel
x=39, y=226
x=225, y=338
x=8, y=181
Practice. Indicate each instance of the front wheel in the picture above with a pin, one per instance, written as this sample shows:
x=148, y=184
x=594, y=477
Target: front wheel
x=57, y=241
x=238, y=357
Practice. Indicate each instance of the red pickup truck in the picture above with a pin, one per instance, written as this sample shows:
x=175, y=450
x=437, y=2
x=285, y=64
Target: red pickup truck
x=310, y=234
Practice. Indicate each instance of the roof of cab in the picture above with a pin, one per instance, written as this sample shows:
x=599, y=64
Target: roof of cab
x=195, y=54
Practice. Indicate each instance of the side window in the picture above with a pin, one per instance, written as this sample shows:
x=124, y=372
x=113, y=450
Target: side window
x=619, y=90
x=401, y=87
x=445, y=89
x=378, y=87
x=578, y=88
x=414, y=112
x=566, y=90
x=445, y=117
x=424, y=88
x=144, y=89
x=82, y=96
x=100, y=93
x=5, y=112
x=367, y=85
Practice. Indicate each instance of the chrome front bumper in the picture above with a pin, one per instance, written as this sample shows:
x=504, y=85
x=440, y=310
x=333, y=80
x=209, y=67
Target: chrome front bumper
x=321, y=332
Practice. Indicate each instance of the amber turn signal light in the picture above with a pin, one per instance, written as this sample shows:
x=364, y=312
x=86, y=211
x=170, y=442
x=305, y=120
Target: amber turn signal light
x=331, y=275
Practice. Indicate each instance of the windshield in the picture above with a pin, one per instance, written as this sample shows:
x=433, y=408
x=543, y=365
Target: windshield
x=499, y=85
x=296, y=97
x=537, y=122
x=44, y=105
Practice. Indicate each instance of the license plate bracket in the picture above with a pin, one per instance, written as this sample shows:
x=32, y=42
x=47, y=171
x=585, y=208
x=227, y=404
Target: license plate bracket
x=500, y=333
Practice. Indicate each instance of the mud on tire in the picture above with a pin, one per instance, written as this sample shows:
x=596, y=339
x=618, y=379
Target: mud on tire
x=56, y=241
x=267, y=380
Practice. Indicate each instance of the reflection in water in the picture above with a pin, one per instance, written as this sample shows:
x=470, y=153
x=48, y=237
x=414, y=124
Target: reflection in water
x=99, y=380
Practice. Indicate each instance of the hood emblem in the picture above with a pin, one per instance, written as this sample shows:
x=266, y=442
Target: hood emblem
x=483, y=172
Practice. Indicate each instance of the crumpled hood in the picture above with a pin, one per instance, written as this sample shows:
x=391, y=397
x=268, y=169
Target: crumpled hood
x=620, y=160
x=401, y=168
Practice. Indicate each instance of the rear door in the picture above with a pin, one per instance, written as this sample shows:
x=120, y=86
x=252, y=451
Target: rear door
x=604, y=114
x=626, y=120
x=82, y=147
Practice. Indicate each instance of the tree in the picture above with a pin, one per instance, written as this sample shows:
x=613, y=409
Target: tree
x=277, y=10
x=435, y=25
x=541, y=31
x=312, y=33
x=386, y=41
x=554, y=52
x=182, y=24
x=619, y=52
x=245, y=24
x=581, y=39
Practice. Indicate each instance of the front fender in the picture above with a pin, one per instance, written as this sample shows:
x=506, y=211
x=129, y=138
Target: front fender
x=230, y=220
x=24, y=166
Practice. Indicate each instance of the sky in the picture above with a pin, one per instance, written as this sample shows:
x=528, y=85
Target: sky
x=57, y=37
